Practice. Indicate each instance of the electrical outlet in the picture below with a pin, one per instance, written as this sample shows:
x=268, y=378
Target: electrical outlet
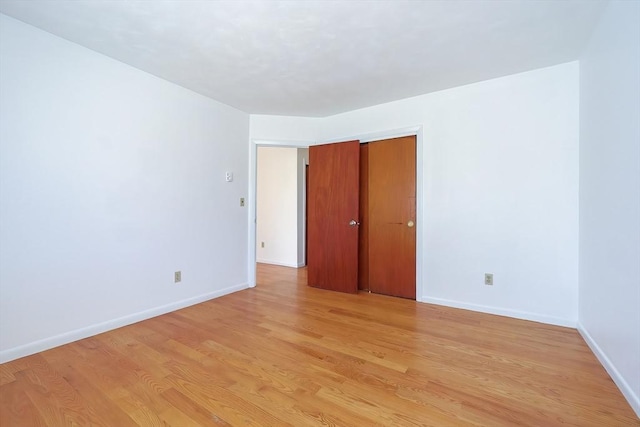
x=177, y=277
x=488, y=279
x=262, y=244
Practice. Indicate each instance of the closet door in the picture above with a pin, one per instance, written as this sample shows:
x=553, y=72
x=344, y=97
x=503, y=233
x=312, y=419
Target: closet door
x=392, y=217
x=332, y=224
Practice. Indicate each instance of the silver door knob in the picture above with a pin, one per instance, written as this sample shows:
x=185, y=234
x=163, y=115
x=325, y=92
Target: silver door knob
x=410, y=224
x=354, y=223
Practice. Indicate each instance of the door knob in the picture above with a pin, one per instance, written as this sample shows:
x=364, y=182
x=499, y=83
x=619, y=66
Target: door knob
x=410, y=224
x=354, y=223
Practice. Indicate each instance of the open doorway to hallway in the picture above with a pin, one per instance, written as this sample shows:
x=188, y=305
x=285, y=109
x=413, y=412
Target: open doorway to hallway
x=280, y=206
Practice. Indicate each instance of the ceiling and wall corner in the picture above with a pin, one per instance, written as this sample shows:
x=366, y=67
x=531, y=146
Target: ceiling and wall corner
x=320, y=58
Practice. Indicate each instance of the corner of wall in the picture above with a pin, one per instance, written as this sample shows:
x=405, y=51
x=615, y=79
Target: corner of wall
x=618, y=379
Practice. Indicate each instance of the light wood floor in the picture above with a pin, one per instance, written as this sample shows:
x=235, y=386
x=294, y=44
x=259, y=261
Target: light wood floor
x=286, y=354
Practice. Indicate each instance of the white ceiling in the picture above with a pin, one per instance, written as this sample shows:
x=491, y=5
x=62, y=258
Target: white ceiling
x=318, y=58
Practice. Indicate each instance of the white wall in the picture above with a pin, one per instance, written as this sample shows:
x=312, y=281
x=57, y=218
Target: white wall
x=277, y=206
x=110, y=180
x=610, y=195
x=284, y=129
x=500, y=188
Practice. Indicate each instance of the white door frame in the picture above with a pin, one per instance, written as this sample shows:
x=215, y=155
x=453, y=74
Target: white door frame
x=253, y=172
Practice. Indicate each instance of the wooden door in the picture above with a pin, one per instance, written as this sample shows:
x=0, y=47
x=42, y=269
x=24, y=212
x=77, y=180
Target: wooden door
x=392, y=217
x=333, y=198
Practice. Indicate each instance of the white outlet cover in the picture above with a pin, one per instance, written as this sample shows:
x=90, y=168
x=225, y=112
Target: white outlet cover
x=228, y=176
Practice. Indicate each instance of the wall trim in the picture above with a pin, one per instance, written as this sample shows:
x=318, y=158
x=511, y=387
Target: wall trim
x=378, y=136
x=98, y=328
x=283, y=264
x=516, y=314
x=627, y=391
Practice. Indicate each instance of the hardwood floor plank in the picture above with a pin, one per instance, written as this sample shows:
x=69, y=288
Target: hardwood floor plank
x=6, y=375
x=54, y=399
x=16, y=409
x=92, y=393
x=226, y=403
x=125, y=341
x=286, y=354
x=172, y=416
x=199, y=414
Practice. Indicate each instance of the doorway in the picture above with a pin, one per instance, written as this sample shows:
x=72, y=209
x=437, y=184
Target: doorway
x=417, y=131
x=280, y=206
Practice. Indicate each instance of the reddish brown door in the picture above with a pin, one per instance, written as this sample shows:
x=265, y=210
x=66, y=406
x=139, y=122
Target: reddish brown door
x=392, y=216
x=333, y=198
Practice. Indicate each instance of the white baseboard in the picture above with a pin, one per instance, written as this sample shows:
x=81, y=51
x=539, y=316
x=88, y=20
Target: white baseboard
x=632, y=398
x=78, y=334
x=535, y=317
x=283, y=264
